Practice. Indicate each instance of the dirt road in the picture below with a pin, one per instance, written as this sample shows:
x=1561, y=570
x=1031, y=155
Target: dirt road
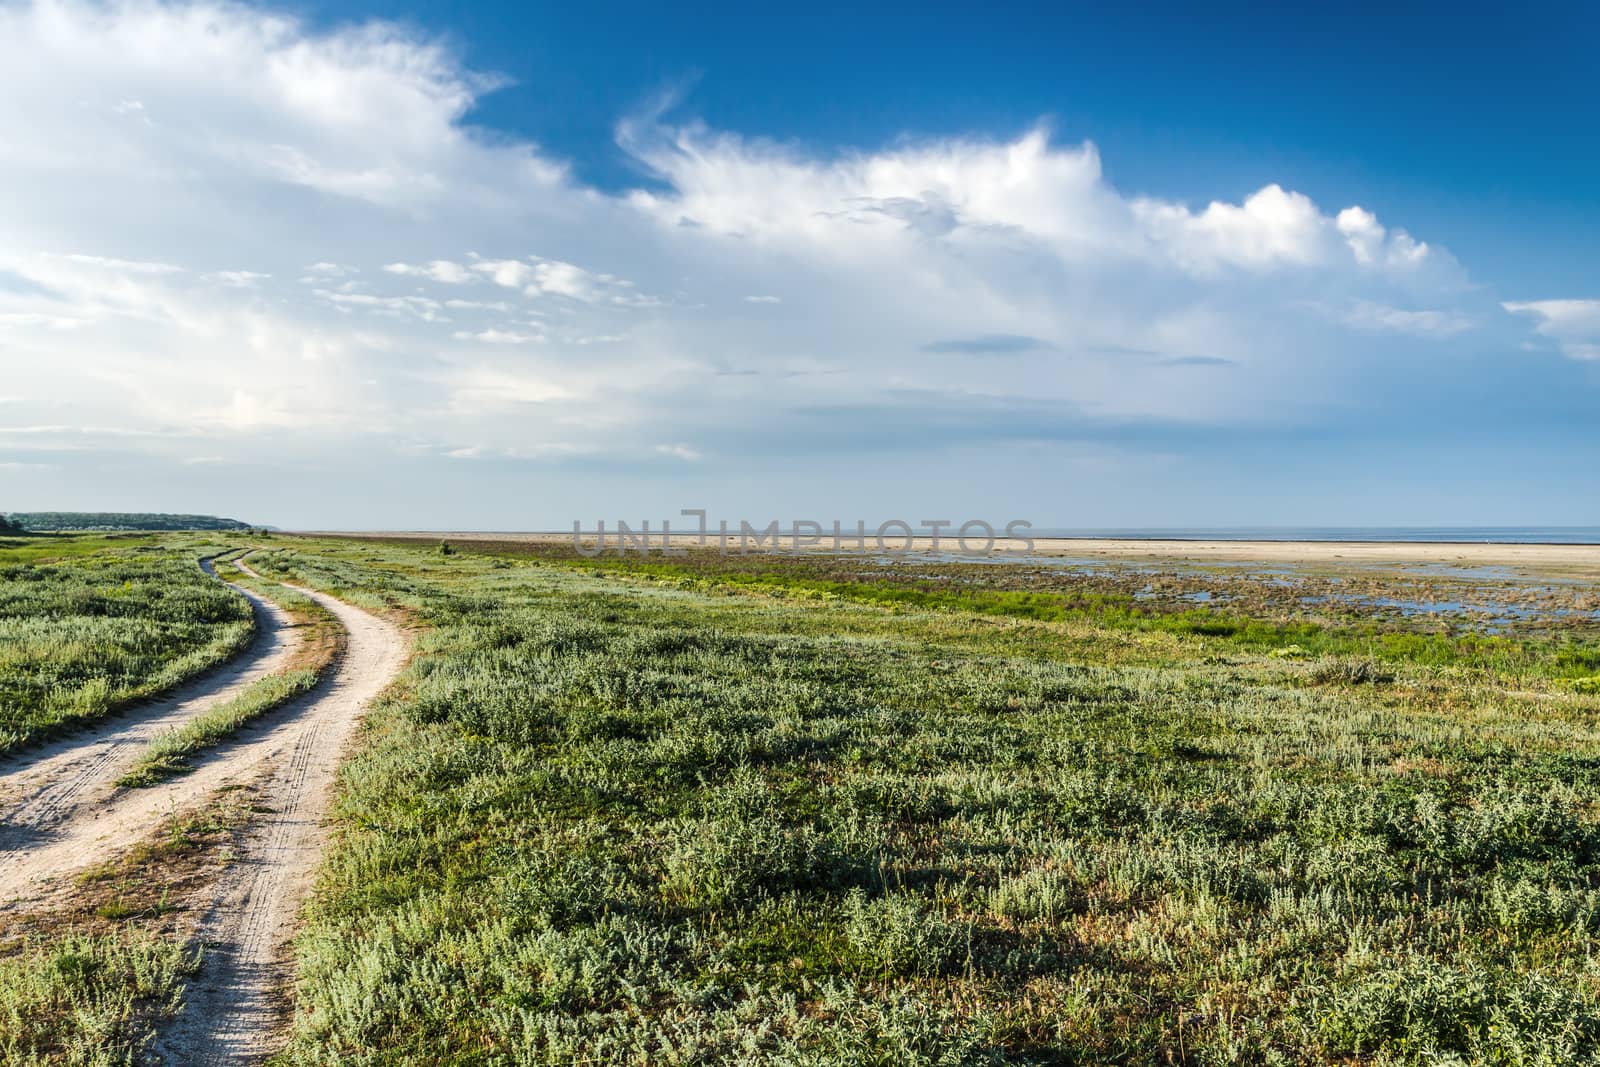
x=65, y=784
x=234, y=1008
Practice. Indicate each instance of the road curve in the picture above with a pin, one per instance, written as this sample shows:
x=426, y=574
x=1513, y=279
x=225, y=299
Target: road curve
x=235, y=1007
x=66, y=782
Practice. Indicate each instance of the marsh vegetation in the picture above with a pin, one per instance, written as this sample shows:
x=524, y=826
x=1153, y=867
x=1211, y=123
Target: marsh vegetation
x=763, y=813
x=643, y=816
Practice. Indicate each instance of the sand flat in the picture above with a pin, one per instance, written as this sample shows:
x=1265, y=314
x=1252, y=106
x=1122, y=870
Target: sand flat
x=1584, y=559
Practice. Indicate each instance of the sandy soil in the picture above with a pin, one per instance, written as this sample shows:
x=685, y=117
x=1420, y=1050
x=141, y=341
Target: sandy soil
x=235, y=1007
x=235, y=1010
x=67, y=782
x=1584, y=558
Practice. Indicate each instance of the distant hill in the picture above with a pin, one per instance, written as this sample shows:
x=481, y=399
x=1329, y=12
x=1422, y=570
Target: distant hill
x=49, y=521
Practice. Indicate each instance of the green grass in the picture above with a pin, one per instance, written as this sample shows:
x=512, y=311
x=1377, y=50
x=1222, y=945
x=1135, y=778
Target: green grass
x=103, y=623
x=615, y=817
x=91, y=975
x=624, y=814
x=55, y=547
x=88, y=998
x=170, y=753
x=1257, y=615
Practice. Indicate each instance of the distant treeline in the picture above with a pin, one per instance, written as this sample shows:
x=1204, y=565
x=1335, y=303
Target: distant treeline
x=49, y=521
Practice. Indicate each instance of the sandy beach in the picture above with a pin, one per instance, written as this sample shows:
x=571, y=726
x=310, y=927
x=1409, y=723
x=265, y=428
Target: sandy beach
x=1570, y=558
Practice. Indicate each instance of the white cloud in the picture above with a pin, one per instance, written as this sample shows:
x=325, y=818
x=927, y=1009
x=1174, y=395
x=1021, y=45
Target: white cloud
x=334, y=171
x=1437, y=325
x=33, y=318
x=1271, y=228
x=683, y=452
x=440, y=270
x=422, y=307
x=563, y=279
x=499, y=337
x=331, y=270
x=1574, y=325
x=479, y=390
x=121, y=266
x=510, y=273
x=1374, y=245
x=239, y=279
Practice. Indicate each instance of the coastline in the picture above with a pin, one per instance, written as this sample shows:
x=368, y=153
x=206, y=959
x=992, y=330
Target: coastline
x=1585, y=557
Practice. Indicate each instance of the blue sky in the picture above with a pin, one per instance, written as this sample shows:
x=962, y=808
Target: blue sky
x=504, y=266
x=1475, y=126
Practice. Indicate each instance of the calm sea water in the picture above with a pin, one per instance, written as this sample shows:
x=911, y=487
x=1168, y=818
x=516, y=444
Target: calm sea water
x=1543, y=535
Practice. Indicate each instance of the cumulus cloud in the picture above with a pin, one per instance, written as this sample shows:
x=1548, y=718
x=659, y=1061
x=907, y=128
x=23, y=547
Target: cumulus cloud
x=306, y=235
x=1374, y=245
x=440, y=270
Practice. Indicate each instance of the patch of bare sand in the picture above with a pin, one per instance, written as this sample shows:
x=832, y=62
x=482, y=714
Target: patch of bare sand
x=1583, y=559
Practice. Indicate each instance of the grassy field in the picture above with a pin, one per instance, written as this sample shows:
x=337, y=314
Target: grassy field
x=628, y=814
x=90, y=624
x=768, y=812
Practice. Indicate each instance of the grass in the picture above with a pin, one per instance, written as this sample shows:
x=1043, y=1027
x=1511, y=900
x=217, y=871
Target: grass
x=626, y=815
x=171, y=753
x=88, y=998
x=620, y=817
x=1317, y=611
x=100, y=624
x=91, y=977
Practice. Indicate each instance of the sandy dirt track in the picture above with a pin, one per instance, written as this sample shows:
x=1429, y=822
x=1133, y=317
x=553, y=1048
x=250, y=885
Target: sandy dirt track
x=235, y=1008
x=66, y=783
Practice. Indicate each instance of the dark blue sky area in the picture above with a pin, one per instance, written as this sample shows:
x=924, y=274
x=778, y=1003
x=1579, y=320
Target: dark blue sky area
x=1475, y=129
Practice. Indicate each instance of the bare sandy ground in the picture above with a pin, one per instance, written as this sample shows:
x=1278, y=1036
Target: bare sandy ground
x=235, y=1007
x=235, y=1010
x=67, y=783
x=1533, y=556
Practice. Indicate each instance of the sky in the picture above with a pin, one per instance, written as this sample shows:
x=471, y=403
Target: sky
x=505, y=266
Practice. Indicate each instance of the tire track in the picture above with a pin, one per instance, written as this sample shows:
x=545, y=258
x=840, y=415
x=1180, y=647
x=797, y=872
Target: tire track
x=237, y=1006
x=45, y=787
